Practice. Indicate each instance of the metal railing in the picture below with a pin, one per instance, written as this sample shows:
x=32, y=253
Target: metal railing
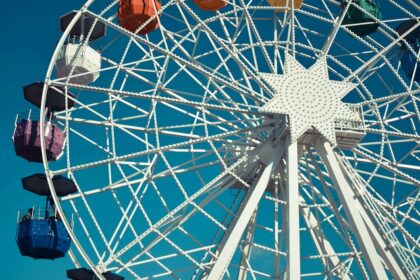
x=342, y=125
x=35, y=116
x=42, y=213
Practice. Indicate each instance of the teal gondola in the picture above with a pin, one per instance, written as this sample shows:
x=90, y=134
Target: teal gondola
x=361, y=16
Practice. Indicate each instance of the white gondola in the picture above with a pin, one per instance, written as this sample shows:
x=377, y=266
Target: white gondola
x=79, y=63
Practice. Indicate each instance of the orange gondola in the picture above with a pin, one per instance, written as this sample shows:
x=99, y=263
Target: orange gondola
x=210, y=5
x=297, y=4
x=132, y=14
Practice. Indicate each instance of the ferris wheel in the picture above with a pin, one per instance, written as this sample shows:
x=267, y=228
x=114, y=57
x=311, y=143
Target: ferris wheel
x=240, y=139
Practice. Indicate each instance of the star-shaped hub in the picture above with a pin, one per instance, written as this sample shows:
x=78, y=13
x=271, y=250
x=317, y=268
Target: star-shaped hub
x=309, y=97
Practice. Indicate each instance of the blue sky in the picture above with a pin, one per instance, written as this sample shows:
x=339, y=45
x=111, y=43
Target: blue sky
x=29, y=32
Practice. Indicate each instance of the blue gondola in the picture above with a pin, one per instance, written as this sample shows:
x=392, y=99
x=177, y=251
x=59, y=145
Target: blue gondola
x=42, y=238
x=409, y=62
x=42, y=235
x=412, y=37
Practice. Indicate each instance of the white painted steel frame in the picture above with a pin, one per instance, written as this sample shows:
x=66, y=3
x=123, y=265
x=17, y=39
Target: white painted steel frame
x=247, y=123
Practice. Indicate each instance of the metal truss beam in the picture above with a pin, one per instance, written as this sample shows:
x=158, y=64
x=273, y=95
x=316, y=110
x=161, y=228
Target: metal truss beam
x=246, y=251
x=232, y=237
x=346, y=194
x=323, y=246
x=380, y=244
x=292, y=213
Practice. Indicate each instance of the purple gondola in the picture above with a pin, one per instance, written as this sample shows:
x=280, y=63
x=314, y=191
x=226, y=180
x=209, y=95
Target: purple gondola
x=27, y=140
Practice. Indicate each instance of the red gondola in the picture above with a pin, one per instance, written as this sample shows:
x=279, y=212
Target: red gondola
x=132, y=14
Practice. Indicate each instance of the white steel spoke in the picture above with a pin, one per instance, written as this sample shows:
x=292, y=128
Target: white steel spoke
x=149, y=152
